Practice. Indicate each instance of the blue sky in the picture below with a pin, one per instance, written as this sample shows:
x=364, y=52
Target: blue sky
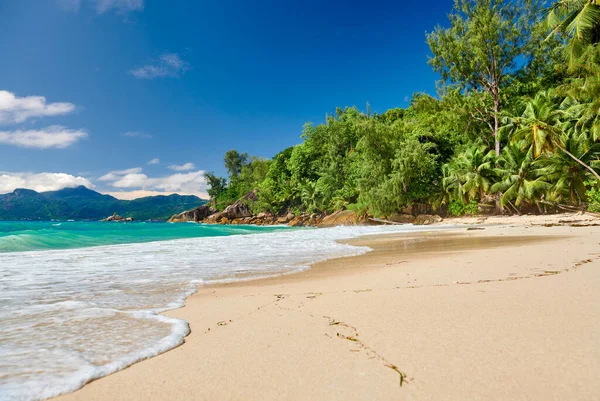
x=92, y=91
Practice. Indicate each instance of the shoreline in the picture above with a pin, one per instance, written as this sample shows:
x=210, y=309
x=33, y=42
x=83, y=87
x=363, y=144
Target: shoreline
x=220, y=315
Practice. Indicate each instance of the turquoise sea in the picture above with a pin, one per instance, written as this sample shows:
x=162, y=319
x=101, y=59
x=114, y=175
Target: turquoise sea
x=18, y=236
x=80, y=300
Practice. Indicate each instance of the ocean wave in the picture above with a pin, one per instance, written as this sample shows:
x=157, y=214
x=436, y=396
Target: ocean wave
x=72, y=315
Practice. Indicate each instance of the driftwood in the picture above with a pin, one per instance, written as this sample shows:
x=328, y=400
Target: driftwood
x=385, y=221
x=571, y=208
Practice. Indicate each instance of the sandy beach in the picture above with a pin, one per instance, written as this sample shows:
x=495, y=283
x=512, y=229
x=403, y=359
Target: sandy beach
x=497, y=309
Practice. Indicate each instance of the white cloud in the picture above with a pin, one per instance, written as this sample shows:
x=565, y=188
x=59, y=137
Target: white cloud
x=156, y=160
x=117, y=174
x=182, y=183
x=140, y=193
x=121, y=6
x=183, y=167
x=168, y=65
x=137, y=134
x=70, y=5
x=40, y=182
x=14, y=110
x=102, y=6
x=55, y=136
x=134, y=180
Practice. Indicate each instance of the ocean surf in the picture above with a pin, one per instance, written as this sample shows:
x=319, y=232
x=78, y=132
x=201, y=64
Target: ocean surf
x=72, y=314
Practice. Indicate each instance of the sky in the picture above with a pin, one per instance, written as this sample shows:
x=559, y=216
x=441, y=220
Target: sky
x=140, y=97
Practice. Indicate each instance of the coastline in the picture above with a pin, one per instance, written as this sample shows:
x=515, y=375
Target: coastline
x=499, y=313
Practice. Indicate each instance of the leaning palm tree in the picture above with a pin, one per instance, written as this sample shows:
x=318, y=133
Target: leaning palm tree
x=567, y=176
x=579, y=21
x=541, y=129
x=520, y=182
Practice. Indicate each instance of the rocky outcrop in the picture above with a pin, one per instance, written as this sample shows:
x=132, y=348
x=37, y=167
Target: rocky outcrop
x=344, y=218
x=196, y=215
x=214, y=218
x=241, y=207
x=305, y=220
x=418, y=208
x=401, y=218
x=426, y=219
x=116, y=217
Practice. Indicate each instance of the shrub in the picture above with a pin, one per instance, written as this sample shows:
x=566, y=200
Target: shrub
x=472, y=208
x=593, y=194
x=458, y=207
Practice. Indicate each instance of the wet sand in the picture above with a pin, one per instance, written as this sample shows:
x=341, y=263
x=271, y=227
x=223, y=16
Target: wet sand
x=509, y=312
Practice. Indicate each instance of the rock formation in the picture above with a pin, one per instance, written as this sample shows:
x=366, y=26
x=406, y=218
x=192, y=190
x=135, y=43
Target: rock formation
x=426, y=219
x=401, y=218
x=196, y=215
x=116, y=217
x=344, y=218
x=240, y=213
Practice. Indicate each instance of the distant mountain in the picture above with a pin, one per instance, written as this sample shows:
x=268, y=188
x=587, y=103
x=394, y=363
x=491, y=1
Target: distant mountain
x=82, y=203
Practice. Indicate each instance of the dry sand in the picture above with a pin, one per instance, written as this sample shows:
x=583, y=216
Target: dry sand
x=509, y=312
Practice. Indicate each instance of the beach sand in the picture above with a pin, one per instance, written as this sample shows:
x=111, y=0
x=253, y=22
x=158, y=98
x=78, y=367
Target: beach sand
x=508, y=312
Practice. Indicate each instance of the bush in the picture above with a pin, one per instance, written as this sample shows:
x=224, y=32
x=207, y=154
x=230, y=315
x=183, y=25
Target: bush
x=459, y=208
x=360, y=208
x=593, y=194
x=472, y=208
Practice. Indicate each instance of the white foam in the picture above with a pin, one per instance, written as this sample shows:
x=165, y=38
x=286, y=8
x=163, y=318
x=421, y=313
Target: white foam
x=71, y=316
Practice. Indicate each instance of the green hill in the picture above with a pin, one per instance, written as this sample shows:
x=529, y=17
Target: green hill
x=82, y=203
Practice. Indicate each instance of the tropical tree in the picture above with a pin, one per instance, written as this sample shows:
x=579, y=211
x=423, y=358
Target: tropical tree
x=583, y=93
x=483, y=49
x=234, y=162
x=566, y=175
x=538, y=125
x=470, y=174
x=216, y=185
x=311, y=197
x=521, y=182
x=579, y=21
x=539, y=128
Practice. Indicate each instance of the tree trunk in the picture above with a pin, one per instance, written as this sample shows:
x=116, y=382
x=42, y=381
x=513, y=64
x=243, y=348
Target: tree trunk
x=496, y=124
x=591, y=170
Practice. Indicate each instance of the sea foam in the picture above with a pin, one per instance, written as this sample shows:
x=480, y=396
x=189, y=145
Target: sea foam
x=73, y=315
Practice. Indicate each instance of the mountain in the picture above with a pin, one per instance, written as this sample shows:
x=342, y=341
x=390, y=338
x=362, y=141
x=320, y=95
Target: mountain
x=81, y=203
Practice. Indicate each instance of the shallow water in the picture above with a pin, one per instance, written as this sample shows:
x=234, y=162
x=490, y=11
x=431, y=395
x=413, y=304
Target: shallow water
x=18, y=236
x=71, y=315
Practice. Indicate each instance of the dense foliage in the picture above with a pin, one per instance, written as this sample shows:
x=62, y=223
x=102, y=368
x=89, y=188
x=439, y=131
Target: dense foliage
x=515, y=126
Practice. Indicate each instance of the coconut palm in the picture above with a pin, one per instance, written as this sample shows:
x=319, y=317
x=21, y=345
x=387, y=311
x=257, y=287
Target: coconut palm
x=579, y=20
x=568, y=176
x=583, y=91
x=520, y=180
x=469, y=175
x=540, y=129
x=537, y=125
x=311, y=196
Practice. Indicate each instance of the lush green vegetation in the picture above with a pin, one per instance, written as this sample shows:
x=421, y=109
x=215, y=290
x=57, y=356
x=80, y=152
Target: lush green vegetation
x=515, y=126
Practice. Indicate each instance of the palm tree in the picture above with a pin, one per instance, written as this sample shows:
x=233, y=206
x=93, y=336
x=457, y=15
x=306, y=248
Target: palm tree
x=541, y=129
x=568, y=176
x=469, y=175
x=583, y=91
x=577, y=19
x=521, y=182
x=537, y=125
x=311, y=196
